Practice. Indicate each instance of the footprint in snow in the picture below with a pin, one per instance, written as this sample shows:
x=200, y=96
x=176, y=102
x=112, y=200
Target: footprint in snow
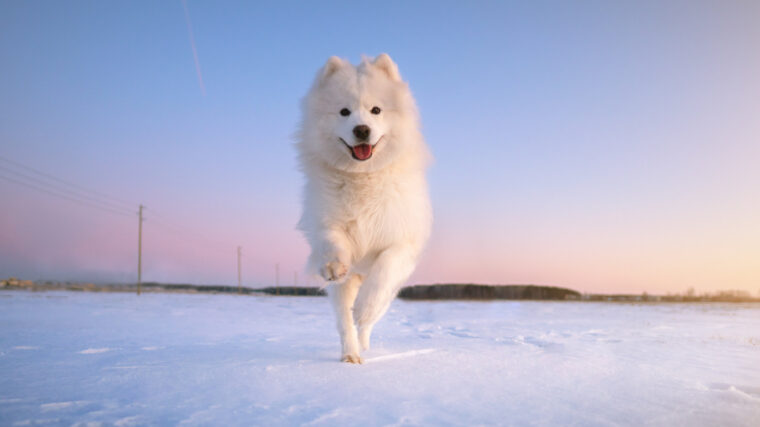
x=461, y=333
x=746, y=392
x=57, y=406
x=539, y=343
x=399, y=355
x=94, y=350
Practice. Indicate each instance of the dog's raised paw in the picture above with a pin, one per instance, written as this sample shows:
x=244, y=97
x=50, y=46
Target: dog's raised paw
x=352, y=358
x=334, y=270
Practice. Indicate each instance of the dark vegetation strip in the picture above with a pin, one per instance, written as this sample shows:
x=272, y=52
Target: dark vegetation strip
x=418, y=292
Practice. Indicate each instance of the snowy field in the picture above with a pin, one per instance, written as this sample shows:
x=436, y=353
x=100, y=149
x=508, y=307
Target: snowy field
x=70, y=358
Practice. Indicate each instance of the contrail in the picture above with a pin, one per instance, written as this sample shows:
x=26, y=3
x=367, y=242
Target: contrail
x=192, y=45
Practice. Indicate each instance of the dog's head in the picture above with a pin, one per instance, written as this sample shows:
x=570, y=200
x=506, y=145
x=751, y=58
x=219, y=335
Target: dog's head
x=359, y=118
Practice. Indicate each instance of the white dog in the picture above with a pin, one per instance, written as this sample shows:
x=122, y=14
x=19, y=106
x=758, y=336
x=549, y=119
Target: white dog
x=366, y=211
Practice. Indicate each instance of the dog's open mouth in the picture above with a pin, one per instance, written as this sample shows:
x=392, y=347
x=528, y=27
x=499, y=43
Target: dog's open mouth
x=361, y=152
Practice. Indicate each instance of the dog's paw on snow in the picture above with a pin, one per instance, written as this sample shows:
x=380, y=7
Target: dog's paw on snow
x=333, y=270
x=352, y=358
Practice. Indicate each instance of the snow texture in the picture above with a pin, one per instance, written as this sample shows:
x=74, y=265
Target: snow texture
x=117, y=359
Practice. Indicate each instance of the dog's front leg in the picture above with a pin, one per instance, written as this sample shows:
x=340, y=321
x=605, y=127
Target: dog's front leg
x=343, y=296
x=335, y=255
x=335, y=258
x=389, y=271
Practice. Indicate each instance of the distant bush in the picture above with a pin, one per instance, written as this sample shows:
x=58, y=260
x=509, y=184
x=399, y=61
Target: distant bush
x=294, y=290
x=487, y=292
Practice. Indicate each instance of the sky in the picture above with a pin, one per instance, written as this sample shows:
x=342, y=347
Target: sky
x=601, y=146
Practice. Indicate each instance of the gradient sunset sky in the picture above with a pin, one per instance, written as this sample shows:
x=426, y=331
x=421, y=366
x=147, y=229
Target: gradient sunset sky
x=602, y=146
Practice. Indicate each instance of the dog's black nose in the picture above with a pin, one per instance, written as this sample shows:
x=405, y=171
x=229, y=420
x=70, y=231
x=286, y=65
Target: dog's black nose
x=361, y=132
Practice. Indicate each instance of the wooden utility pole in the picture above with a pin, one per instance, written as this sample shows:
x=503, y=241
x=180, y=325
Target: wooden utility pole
x=240, y=286
x=139, y=252
x=295, y=278
x=277, y=277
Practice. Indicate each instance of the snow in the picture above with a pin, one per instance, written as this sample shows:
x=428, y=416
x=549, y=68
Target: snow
x=117, y=359
x=94, y=350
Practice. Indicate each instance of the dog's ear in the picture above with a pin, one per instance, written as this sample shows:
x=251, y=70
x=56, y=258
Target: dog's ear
x=333, y=64
x=384, y=63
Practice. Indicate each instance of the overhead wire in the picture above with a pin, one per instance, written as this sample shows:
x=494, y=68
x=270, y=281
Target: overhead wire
x=70, y=198
x=117, y=200
x=187, y=234
x=29, y=177
x=21, y=176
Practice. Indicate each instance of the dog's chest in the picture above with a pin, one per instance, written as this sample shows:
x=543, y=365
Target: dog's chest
x=374, y=211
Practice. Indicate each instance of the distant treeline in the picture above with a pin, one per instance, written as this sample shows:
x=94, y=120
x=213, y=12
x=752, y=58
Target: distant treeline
x=417, y=292
x=455, y=292
x=215, y=289
x=49, y=285
x=294, y=291
x=721, y=296
x=486, y=292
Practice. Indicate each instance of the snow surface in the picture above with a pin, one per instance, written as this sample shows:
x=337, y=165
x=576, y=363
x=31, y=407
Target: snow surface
x=70, y=358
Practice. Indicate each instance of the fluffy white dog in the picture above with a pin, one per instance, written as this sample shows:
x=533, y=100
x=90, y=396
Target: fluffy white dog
x=366, y=211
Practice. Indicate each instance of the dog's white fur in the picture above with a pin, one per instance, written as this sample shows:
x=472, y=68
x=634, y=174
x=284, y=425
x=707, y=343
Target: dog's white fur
x=366, y=221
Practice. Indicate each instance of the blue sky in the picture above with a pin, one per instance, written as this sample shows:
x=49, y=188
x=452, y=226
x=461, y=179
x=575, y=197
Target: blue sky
x=597, y=145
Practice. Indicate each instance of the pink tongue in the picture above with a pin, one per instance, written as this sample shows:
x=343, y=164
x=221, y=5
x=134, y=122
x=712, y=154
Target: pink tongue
x=363, y=151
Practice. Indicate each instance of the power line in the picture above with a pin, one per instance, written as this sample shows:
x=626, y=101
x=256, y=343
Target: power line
x=80, y=197
x=29, y=177
x=183, y=236
x=72, y=199
x=179, y=229
x=124, y=202
x=53, y=187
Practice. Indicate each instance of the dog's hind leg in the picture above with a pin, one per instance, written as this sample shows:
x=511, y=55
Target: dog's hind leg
x=343, y=296
x=389, y=271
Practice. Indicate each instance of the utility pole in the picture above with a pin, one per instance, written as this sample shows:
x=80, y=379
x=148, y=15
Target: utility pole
x=277, y=277
x=240, y=288
x=295, y=278
x=139, y=252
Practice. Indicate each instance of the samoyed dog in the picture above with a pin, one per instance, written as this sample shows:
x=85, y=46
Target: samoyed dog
x=366, y=210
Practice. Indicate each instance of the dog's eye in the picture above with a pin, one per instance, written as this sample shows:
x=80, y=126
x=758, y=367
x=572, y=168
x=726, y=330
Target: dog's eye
x=344, y=112
x=375, y=110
